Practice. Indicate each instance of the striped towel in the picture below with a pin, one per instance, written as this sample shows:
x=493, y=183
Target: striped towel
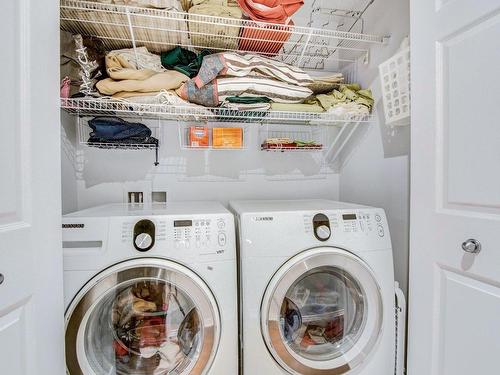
x=217, y=91
x=241, y=65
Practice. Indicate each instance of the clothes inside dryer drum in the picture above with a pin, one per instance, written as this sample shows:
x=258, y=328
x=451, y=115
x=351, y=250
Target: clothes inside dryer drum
x=322, y=314
x=145, y=327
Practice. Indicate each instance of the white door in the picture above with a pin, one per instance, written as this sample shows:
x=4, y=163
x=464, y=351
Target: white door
x=454, y=291
x=31, y=305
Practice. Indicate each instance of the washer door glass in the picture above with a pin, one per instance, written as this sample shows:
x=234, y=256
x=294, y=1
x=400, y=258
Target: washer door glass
x=143, y=319
x=322, y=312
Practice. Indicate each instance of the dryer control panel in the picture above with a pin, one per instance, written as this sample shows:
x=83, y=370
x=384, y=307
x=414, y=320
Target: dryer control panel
x=328, y=225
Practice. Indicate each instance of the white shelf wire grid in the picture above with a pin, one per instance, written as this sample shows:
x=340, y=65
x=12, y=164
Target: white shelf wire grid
x=106, y=106
x=184, y=130
x=314, y=134
x=121, y=26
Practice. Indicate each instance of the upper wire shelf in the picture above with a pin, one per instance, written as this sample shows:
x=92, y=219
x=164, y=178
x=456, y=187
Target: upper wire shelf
x=121, y=26
x=100, y=107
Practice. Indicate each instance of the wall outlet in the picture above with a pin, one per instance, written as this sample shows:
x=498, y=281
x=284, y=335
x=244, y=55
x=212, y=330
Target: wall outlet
x=135, y=197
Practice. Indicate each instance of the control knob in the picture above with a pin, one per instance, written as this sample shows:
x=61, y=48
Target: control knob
x=144, y=235
x=143, y=241
x=323, y=232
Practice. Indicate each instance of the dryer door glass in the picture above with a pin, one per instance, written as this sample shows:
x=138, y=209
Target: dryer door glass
x=322, y=311
x=322, y=314
x=151, y=320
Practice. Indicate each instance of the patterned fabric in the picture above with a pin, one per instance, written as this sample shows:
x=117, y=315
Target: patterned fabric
x=275, y=11
x=237, y=65
x=217, y=91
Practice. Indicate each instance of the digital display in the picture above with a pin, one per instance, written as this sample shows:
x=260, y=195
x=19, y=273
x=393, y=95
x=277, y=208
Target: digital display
x=183, y=223
x=349, y=217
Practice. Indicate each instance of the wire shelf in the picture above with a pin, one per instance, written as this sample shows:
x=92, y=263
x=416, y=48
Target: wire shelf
x=106, y=106
x=121, y=26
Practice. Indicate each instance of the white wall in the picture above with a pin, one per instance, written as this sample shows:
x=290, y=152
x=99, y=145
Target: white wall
x=377, y=172
x=92, y=176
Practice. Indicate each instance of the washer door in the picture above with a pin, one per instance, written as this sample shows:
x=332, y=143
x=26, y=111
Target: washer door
x=143, y=316
x=322, y=313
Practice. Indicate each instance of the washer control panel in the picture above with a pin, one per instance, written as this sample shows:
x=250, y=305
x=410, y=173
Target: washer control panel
x=206, y=235
x=200, y=233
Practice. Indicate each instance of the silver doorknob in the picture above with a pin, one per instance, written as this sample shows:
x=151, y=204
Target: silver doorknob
x=471, y=246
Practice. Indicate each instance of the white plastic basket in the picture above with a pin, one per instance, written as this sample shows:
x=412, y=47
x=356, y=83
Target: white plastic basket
x=395, y=80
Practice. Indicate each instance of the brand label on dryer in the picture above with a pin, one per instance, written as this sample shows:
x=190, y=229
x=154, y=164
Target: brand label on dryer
x=73, y=226
x=263, y=218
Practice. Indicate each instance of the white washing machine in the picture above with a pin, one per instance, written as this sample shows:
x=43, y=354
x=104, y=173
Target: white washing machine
x=151, y=290
x=316, y=288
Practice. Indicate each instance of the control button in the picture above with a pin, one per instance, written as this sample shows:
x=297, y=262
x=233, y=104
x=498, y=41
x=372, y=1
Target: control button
x=221, y=224
x=143, y=241
x=380, y=230
x=222, y=239
x=378, y=218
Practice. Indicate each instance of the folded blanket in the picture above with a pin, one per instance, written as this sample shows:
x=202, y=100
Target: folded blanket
x=168, y=80
x=241, y=65
x=160, y=4
x=183, y=60
x=140, y=58
x=204, y=35
x=315, y=108
x=217, y=91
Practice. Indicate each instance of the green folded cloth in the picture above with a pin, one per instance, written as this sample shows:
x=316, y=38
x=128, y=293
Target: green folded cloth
x=313, y=107
x=248, y=99
x=345, y=94
x=183, y=60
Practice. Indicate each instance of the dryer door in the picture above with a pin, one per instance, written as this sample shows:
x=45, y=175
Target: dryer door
x=142, y=316
x=322, y=312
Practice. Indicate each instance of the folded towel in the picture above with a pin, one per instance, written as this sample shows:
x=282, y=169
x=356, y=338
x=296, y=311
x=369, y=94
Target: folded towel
x=241, y=65
x=168, y=80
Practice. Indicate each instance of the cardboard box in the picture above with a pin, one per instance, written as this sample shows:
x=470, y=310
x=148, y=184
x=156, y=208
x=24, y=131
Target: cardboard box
x=227, y=137
x=198, y=136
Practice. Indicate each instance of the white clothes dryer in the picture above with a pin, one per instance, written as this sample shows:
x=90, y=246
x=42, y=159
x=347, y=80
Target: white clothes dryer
x=316, y=288
x=151, y=290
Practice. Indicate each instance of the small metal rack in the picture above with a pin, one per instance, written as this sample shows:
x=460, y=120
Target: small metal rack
x=121, y=26
x=184, y=129
x=84, y=135
x=314, y=134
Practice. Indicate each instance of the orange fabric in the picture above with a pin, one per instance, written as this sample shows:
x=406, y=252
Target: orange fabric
x=275, y=11
x=263, y=39
x=227, y=137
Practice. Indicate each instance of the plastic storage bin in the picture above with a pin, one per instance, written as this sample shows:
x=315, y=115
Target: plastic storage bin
x=395, y=80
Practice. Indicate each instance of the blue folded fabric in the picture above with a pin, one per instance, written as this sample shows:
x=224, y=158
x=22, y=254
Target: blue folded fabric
x=114, y=128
